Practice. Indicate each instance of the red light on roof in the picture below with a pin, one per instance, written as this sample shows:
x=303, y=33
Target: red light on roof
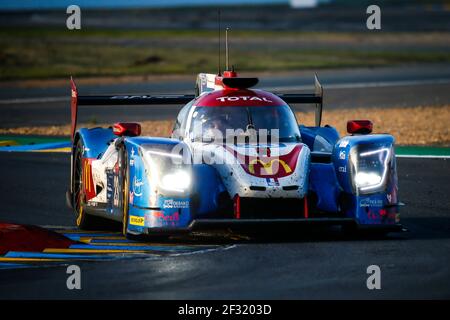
x=359, y=126
x=129, y=129
x=229, y=74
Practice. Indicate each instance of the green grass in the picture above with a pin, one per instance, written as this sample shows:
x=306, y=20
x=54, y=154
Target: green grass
x=41, y=53
x=414, y=150
x=31, y=139
x=49, y=32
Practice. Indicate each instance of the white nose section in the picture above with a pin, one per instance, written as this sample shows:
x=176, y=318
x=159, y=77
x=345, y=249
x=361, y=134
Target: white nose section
x=282, y=174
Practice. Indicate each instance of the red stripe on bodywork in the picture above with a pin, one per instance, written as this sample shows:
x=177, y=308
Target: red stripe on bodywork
x=305, y=209
x=237, y=206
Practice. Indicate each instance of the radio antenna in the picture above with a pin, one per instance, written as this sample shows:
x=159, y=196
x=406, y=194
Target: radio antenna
x=220, y=48
x=227, y=61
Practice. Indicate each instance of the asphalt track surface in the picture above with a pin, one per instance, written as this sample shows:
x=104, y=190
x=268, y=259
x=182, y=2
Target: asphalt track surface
x=321, y=264
x=403, y=86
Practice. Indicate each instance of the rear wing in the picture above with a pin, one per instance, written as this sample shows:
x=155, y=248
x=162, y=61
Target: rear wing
x=77, y=100
x=312, y=98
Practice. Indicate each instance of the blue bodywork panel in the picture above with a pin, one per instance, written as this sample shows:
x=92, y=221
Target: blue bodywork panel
x=207, y=179
x=376, y=208
x=309, y=135
x=332, y=182
x=322, y=181
x=96, y=140
x=148, y=207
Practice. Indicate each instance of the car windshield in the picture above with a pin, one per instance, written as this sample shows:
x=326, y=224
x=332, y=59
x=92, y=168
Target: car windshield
x=216, y=122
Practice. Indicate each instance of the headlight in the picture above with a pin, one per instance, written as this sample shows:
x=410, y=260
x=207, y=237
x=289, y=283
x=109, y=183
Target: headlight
x=179, y=181
x=369, y=168
x=167, y=169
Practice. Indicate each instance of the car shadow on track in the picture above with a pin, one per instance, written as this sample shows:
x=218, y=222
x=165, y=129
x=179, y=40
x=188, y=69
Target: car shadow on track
x=415, y=228
x=272, y=236
x=428, y=228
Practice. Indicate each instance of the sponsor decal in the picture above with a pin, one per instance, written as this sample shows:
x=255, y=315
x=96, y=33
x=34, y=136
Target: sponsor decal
x=342, y=155
x=149, y=97
x=137, y=221
x=379, y=213
x=132, y=158
x=272, y=182
x=371, y=202
x=162, y=218
x=242, y=98
x=344, y=143
x=372, y=215
x=342, y=169
x=179, y=204
x=137, y=186
x=268, y=166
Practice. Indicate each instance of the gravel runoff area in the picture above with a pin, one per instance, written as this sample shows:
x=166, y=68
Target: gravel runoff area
x=410, y=126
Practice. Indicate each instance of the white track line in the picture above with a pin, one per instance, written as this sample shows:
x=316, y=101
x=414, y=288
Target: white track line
x=34, y=100
x=418, y=156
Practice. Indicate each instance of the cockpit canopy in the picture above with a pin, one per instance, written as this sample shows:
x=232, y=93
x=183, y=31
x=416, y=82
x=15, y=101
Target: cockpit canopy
x=259, y=122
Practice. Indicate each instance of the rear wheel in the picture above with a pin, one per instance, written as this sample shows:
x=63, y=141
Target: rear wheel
x=83, y=219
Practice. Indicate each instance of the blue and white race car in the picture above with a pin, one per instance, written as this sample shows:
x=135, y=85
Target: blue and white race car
x=236, y=158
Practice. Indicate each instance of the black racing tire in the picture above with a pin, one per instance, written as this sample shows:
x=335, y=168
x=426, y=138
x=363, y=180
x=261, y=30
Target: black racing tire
x=83, y=220
x=124, y=184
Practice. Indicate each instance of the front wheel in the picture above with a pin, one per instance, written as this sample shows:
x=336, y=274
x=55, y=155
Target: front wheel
x=124, y=177
x=83, y=220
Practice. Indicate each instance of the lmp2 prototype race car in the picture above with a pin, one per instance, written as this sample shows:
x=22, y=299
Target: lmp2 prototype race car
x=236, y=158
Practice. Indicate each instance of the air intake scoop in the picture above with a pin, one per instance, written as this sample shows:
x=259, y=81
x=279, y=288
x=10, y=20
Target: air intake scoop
x=239, y=83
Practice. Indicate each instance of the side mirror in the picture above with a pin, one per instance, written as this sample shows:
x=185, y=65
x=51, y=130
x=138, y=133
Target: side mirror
x=129, y=129
x=359, y=126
